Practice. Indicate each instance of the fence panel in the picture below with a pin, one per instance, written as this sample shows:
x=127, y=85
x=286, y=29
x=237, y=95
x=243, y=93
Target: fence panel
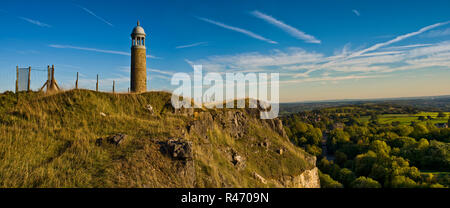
x=22, y=79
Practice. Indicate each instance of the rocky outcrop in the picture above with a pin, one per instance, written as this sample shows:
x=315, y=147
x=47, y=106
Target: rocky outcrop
x=115, y=139
x=308, y=179
x=277, y=125
x=201, y=125
x=238, y=161
x=180, y=149
x=260, y=178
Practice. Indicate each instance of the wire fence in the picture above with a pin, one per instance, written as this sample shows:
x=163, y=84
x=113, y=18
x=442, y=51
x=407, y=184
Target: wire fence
x=43, y=79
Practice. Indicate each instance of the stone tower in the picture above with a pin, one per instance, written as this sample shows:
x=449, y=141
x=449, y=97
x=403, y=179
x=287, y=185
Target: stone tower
x=138, y=60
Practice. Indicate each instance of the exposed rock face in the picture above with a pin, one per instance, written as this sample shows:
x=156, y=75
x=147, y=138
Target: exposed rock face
x=238, y=161
x=201, y=125
x=180, y=149
x=232, y=121
x=236, y=124
x=277, y=125
x=260, y=178
x=308, y=179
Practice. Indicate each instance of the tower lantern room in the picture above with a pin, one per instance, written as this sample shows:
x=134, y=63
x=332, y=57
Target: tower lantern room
x=138, y=60
x=138, y=36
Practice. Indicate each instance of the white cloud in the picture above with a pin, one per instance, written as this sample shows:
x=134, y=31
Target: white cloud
x=254, y=60
x=408, y=46
x=287, y=28
x=297, y=65
x=165, y=72
x=96, y=16
x=239, y=30
x=356, y=12
x=339, y=78
x=397, y=39
x=152, y=77
x=35, y=22
x=94, y=50
x=437, y=33
x=191, y=45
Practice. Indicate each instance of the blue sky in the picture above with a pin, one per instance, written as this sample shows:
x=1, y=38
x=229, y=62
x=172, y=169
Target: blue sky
x=322, y=49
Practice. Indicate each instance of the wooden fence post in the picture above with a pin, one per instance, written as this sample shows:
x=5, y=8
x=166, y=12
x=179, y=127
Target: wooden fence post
x=96, y=88
x=76, y=83
x=17, y=79
x=49, y=77
x=53, y=73
x=29, y=78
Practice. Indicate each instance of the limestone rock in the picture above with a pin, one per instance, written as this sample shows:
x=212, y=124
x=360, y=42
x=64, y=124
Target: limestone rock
x=260, y=178
x=180, y=149
x=149, y=108
x=115, y=139
x=277, y=125
x=280, y=151
x=238, y=161
x=308, y=179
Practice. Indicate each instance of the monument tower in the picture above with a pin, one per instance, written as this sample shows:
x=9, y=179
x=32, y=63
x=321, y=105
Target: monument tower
x=138, y=60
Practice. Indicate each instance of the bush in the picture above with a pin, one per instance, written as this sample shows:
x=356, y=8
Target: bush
x=402, y=182
x=327, y=182
x=363, y=182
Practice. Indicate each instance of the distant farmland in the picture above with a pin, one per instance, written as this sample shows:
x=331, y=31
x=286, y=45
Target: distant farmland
x=406, y=119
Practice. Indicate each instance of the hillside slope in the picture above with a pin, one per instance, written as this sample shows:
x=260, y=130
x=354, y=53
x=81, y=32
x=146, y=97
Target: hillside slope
x=54, y=141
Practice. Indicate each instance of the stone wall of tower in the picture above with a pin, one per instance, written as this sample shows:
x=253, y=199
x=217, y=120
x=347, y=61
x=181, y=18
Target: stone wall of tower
x=138, y=70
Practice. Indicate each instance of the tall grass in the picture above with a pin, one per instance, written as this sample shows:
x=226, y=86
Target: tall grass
x=49, y=141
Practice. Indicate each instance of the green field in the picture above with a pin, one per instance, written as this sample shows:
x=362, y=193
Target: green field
x=406, y=119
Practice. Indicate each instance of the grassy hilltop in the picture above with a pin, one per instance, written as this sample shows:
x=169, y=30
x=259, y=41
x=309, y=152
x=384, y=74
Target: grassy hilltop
x=50, y=141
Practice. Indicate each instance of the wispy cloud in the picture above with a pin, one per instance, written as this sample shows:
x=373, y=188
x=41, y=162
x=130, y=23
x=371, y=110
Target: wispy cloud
x=191, y=45
x=256, y=60
x=239, y=30
x=397, y=39
x=339, y=78
x=96, y=16
x=165, y=72
x=287, y=28
x=94, y=50
x=437, y=33
x=356, y=12
x=153, y=77
x=408, y=46
x=35, y=22
x=297, y=65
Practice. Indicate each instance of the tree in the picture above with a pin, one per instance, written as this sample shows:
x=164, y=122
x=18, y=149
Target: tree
x=346, y=176
x=363, y=182
x=364, y=163
x=314, y=150
x=374, y=118
x=402, y=182
x=340, y=158
x=327, y=182
x=420, y=130
x=380, y=147
x=403, y=130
